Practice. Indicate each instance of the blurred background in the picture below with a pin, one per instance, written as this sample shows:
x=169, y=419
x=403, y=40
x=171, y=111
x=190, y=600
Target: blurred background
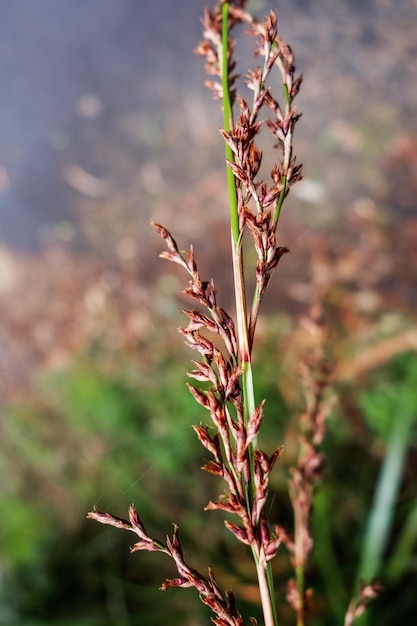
x=105, y=123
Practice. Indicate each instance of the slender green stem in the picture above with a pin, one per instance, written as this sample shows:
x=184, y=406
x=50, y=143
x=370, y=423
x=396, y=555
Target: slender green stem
x=281, y=199
x=264, y=571
x=299, y=575
x=299, y=525
x=238, y=270
x=268, y=604
x=228, y=125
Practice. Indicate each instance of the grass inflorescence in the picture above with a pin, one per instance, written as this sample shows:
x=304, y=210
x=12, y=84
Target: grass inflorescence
x=222, y=372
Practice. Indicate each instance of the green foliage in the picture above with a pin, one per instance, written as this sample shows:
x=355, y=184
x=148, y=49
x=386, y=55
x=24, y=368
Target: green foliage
x=95, y=434
x=91, y=436
x=393, y=398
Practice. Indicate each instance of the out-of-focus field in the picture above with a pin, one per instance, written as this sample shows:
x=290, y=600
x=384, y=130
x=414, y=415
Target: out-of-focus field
x=113, y=128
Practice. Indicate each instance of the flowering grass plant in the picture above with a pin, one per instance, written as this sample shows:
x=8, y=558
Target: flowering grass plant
x=222, y=372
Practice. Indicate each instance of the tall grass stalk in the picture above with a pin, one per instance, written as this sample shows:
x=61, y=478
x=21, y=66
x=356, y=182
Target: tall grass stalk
x=225, y=365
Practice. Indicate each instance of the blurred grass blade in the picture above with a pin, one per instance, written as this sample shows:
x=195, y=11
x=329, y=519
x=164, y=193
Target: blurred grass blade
x=385, y=497
x=400, y=558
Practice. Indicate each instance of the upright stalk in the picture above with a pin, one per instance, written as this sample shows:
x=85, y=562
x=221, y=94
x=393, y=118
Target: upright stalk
x=236, y=238
x=263, y=569
x=226, y=371
x=228, y=125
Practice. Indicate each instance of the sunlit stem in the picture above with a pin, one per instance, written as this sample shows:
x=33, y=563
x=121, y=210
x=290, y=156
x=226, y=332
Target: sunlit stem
x=237, y=257
x=264, y=571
